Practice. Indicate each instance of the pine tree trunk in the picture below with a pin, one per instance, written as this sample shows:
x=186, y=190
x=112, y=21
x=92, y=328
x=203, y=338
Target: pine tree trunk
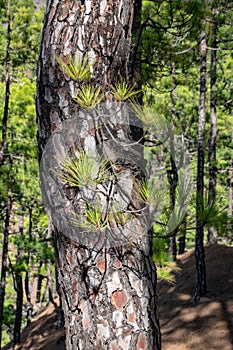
x=40, y=278
x=172, y=173
x=230, y=198
x=182, y=236
x=3, y=152
x=49, y=273
x=108, y=293
x=27, y=282
x=3, y=149
x=19, y=308
x=212, y=233
x=18, y=285
x=199, y=245
x=4, y=262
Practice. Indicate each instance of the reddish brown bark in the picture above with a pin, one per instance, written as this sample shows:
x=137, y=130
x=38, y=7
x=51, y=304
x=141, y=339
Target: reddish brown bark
x=108, y=294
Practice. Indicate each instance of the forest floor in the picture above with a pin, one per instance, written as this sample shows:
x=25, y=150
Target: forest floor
x=185, y=324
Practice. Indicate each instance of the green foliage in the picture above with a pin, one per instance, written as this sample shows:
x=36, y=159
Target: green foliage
x=9, y=317
x=89, y=97
x=165, y=269
x=171, y=37
x=122, y=91
x=26, y=26
x=19, y=174
x=77, y=68
x=149, y=192
x=84, y=170
x=94, y=220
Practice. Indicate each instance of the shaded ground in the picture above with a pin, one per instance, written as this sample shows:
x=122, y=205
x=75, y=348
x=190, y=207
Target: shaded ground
x=42, y=333
x=186, y=325
x=208, y=324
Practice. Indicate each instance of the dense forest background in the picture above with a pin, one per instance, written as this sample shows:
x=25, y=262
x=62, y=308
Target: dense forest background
x=184, y=58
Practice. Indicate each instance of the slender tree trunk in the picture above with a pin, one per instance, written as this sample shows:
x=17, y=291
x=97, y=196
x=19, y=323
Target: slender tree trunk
x=39, y=283
x=199, y=245
x=3, y=152
x=182, y=237
x=19, y=308
x=27, y=282
x=172, y=173
x=212, y=233
x=3, y=149
x=108, y=293
x=18, y=285
x=49, y=272
x=230, y=198
x=4, y=262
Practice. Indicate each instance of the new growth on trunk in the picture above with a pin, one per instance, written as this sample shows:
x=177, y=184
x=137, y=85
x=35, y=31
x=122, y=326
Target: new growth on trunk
x=107, y=280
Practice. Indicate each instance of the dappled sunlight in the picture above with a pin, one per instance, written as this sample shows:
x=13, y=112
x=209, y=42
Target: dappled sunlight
x=203, y=325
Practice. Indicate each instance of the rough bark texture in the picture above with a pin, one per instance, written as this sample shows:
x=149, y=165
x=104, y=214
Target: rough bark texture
x=199, y=246
x=108, y=294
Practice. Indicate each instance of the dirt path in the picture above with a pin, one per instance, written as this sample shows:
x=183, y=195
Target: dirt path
x=208, y=324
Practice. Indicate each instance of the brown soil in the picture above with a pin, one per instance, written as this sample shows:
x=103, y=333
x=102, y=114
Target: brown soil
x=186, y=325
x=207, y=324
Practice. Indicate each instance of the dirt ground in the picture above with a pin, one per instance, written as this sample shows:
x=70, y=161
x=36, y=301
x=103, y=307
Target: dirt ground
x=185, y=325
x=207, y=324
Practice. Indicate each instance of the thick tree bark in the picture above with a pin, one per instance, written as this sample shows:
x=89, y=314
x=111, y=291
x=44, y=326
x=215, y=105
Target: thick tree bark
x=108, y=293
x=212, y=233
x=199, y=245
x=135, y=57
x=49, y=273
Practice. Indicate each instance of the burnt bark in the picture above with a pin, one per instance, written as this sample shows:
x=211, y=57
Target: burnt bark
x=212, y=232
x=108, y=293
x=199, y=244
